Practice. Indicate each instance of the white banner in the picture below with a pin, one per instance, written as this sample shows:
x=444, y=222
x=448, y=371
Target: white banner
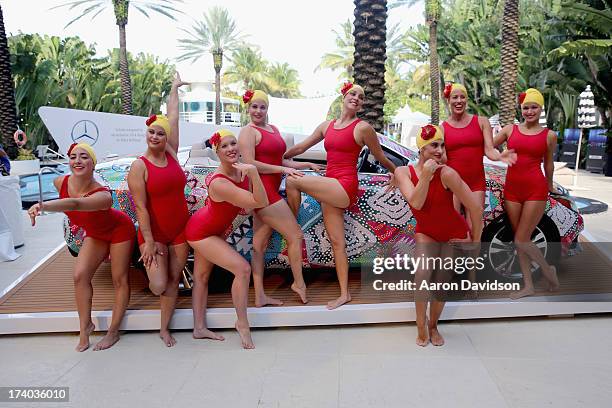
x=111, y=133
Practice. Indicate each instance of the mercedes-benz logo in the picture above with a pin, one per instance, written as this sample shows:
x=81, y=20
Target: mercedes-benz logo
x=85, y=131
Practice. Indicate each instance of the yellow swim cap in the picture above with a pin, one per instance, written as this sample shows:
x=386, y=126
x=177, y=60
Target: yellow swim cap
x=86, y=147
x=348, y=86
x=531, y=95
x=215, y=139
x=450, y=87
x=428, y=134
x=161, y=121
x=252, y=95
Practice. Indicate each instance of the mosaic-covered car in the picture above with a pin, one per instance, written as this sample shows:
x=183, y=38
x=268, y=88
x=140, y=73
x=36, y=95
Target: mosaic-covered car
x=379, y=224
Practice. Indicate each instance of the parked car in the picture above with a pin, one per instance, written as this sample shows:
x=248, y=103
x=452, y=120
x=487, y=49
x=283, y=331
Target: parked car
x=379, y=224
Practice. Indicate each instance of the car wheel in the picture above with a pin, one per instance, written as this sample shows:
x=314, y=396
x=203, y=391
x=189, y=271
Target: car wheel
x=501, y=258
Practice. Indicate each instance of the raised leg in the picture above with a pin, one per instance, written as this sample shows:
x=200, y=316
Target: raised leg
x=323, y=189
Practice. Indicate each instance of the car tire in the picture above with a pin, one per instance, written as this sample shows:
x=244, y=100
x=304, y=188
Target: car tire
x=501, y=259
x=72, y=252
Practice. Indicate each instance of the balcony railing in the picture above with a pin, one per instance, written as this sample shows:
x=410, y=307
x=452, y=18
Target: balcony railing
x=227, y=118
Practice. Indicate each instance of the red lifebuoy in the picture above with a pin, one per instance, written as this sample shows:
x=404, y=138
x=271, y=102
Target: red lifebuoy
x=20, y=137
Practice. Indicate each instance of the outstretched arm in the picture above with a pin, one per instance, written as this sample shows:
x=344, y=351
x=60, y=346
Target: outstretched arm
x=301, y=165
x=503, y=135
x=549, y=162
x=369, y=137
x=247, y=141
x=101, y=200
x=316, y=137
x=508, y=156
x=173, y=113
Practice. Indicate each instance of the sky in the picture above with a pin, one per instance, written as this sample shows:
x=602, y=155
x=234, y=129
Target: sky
x=298, y=32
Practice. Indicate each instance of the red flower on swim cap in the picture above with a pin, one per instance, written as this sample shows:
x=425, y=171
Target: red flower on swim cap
x=215, y=139
x=428, y=131
x=346, y=87
x=447, y=90
x=151, y=119
x=248, y=95
x=72, y=146
x=521, y=97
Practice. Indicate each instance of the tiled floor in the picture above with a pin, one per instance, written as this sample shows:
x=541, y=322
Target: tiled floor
x=557, y=362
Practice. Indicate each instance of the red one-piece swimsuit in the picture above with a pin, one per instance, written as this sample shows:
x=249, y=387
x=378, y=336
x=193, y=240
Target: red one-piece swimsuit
x=342, y=153
x=524, y=179
x=270, y=150
x=438, y=218
x=465, y=149
x=166, y=203
x=106, y=225
x=215, y=217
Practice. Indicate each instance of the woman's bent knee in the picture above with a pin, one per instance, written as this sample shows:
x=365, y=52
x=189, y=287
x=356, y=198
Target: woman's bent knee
x=244, y=272
x=81, y=277
x=158, y=286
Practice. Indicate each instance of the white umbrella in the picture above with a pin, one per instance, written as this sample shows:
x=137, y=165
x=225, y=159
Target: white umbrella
x=586, y=119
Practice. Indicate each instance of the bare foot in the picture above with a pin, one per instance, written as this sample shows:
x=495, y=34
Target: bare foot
x=301, y=291
x=334, y=304
x=522, y=293
x=553, y=282
x=167, y=338
x=107, y=341
x=245, y=336
x=84, y=338
x=267, y=300
x=435, y=336
x=422, y=335
x=206, y=334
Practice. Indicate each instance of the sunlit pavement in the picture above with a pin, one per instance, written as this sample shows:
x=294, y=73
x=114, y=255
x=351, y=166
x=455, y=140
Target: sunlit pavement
x=556, y=362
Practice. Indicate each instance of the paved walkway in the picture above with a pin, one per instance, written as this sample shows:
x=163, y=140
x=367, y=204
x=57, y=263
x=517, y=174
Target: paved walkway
x=536, y=362
x=494, y=363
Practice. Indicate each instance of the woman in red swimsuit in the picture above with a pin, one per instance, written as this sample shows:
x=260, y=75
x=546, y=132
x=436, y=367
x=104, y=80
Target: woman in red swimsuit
x=468, y=138
x=429, y=187
x=344, y=138
x=262, y=145
x=157, y=182
x=228, y=192
x=88, y=205
x=526, y=188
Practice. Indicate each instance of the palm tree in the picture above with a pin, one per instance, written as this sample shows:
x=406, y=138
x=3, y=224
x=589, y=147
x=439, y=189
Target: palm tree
x=432, y=15
x=370, y=54
x=216, y=35
x=8, y=113
x=342, y=58
x=248, y=68
x=121, y=9
x=284, y=81
x=509, y=62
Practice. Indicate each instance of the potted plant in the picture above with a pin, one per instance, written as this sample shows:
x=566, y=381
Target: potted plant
x=25, y=162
